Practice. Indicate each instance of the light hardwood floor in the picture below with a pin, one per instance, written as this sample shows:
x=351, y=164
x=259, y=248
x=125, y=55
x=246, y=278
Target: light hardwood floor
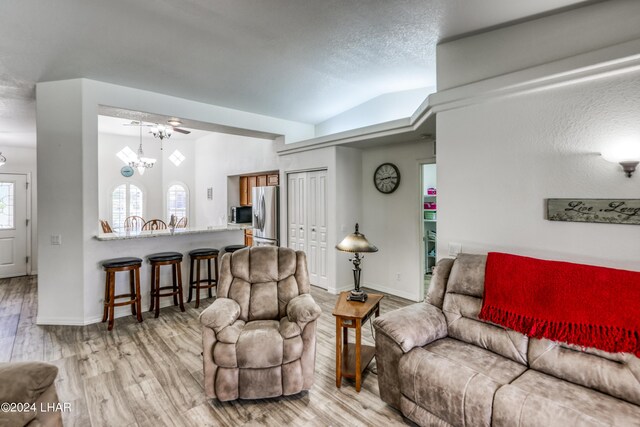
x=150, y=373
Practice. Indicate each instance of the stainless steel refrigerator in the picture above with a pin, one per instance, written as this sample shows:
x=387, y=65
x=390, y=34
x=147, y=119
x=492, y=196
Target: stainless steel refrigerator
x=266, y=216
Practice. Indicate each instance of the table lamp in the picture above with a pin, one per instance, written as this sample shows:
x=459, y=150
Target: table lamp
x=356, y=243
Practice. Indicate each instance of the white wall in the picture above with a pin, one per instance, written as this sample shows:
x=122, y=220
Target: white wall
x=23, y=161
x=348, y=193
x=537, y=42
x=109, y=174
x=70, y=278
x=392, y=222
x=498, y=160
x=185, y=174
x=218, y=156
x=383, y=108
x=429, y=178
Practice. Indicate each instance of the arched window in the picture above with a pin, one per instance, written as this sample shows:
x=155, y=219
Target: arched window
x=177, y=201
x=126, y=200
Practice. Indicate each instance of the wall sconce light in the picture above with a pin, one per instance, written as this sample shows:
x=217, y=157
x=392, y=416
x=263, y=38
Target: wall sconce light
x=626, y=155
x=3, y=159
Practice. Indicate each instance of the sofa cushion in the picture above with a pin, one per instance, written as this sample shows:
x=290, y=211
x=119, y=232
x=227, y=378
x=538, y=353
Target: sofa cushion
x=259, y=345
x=455, y=381
x=461, y=312
x=617, y=374
x=537, y=399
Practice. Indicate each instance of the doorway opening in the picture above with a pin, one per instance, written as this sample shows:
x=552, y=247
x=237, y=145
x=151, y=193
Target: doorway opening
x=430, y=221
x=14, y=225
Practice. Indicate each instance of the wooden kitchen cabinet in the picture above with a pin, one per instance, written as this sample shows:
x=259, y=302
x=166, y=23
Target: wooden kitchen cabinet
x=273, y=179
x=244, y=193
x=251, y=182
x=247, y=182
x=248, y=237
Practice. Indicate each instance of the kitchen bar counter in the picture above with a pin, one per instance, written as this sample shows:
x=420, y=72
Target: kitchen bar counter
x=133, y=234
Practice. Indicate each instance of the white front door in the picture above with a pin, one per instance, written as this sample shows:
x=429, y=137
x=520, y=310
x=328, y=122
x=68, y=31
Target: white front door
x=13, y=225
x=317, y=233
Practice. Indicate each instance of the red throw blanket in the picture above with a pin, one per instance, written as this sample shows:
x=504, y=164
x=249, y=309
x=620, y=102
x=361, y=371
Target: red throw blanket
x=578, y=304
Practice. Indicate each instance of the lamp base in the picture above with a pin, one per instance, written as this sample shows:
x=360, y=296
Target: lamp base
x=358, y=296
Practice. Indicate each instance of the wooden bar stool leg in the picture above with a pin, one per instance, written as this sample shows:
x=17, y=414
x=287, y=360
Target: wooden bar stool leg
x=209, y=275
x=105, y=302
x=191, y=263
x=157, y=289
x=175, y=288
x=112, y=286
x=132, y=290
x=153, y=289
x=198, y=282
x=179, y=271
x=138, y=294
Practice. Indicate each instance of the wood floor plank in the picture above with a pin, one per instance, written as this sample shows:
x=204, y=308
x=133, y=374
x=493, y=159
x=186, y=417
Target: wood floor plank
x=105, y=401
x=150, y=373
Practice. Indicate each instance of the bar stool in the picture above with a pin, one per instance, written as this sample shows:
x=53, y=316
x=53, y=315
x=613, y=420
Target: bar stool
x=111, y=266
x=197, y=255
x=232, y=248
x=174, y=259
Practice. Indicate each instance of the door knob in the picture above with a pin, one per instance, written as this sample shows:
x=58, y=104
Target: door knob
x=313, y=229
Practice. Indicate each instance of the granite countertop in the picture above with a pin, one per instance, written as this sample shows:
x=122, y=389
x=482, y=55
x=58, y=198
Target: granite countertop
x=136, y=234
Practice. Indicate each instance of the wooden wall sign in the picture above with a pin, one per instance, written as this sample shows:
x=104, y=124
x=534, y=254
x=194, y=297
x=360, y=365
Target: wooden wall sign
x=612, y=211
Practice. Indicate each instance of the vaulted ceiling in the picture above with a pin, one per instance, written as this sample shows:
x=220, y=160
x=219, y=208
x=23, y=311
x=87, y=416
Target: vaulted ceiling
x=303, y=60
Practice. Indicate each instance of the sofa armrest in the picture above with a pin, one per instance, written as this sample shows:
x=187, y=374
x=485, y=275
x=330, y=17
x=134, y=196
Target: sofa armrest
x=24, y=382
x=303, y=309
x=222, y=313
x=413, y=326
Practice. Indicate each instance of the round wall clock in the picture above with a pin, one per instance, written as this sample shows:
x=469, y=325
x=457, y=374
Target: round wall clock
x=386, y=178
x=126, y=171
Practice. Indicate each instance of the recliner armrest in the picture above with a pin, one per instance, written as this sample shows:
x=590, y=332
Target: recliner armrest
x=222, y=313
x=413, y=326
x=303, y=309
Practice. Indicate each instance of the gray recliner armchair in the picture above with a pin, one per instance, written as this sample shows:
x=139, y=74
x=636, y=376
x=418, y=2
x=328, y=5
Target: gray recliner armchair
x=259, y=335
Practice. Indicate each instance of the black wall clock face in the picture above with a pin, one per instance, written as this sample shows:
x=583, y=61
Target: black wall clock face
x=386, y=178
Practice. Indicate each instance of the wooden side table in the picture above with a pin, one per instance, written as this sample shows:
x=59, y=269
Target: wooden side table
x=353, y=359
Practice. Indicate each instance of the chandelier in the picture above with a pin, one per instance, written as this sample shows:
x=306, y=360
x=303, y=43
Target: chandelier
x=161, y=132
x=141, y=162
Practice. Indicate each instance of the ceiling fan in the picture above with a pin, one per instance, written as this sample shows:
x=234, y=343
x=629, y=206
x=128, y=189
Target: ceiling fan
x=160, y=130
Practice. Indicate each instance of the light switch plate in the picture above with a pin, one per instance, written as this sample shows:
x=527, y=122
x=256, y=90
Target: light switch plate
x=56, y=239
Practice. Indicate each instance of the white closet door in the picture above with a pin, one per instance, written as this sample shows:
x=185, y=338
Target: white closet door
x=317, y=228
x=296, y=210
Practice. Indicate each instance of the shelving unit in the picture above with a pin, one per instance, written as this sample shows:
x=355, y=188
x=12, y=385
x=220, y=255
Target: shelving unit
x=430, y=229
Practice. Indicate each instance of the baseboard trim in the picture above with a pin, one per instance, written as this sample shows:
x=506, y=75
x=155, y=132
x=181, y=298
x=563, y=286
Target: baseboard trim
x=398, y=293
x=338, y=289
x=118, y=312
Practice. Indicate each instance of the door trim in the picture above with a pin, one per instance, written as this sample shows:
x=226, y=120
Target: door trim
x=420, y=217
x=29, y=217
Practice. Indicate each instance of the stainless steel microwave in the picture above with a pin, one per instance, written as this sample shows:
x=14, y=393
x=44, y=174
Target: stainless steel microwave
x=240, y=214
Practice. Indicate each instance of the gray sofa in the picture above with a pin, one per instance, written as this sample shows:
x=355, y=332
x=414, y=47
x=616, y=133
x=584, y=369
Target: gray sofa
x=259, y=335
x=442, y=366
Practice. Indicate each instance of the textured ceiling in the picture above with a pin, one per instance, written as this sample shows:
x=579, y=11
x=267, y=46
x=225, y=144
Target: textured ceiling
x=301, y=60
